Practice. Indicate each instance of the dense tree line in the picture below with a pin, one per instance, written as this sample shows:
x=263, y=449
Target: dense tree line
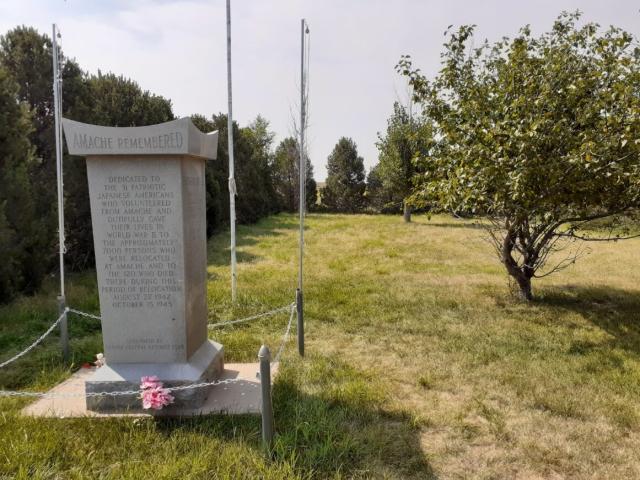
x=388, y=186
x=28, y=208
x=267, y=176
x=21, y=241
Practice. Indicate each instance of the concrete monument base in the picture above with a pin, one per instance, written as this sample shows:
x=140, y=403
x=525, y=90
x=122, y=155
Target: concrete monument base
x=205, y=365
x=237, y=398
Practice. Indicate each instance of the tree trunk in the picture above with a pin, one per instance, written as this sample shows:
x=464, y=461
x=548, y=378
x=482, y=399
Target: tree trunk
x=406, y=212
x=521, y=275
x=524, y=283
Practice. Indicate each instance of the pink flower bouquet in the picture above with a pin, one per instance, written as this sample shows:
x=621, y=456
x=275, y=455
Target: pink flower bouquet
x=154, y=396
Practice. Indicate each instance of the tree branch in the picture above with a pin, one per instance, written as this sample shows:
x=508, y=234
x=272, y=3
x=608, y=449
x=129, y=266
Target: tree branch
x=596, y=239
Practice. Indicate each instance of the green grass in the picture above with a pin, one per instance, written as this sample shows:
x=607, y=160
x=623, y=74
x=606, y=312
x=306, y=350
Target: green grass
x=420, y=365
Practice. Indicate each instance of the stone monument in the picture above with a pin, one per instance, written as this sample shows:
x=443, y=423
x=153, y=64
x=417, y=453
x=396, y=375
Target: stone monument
x=147, y=194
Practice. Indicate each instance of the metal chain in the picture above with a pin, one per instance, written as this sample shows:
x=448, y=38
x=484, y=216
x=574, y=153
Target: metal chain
x=84, y=314
x=38, y=340
x=208, y=384
x=215, y=325
x=285, y=337
x=9, y=393
x=96, y=317
x=253, y=317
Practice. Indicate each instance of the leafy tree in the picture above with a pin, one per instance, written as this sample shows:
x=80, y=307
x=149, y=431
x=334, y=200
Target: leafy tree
x=101, y=99
x=258, y=197
x=310, y=188
x=120, y=102
x=345, y=186
x=28, y=214
x=379, y=199
x=253, y=172
x=285, y=173
x=216, y=175
x=10, y=266
x=541, y=134
x=26, y=57
x=22, y=236
x=261, y=138
x=407, y=136
x=286, y=176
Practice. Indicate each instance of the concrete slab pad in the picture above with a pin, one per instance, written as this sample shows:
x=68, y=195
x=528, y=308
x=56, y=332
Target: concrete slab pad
x=241, y=397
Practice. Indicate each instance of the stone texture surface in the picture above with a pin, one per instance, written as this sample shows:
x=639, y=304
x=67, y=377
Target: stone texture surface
x=179, y=137
x=195, y=251
x=138, y=233
x=205, y=365
x=147, y=195
x=242, y=397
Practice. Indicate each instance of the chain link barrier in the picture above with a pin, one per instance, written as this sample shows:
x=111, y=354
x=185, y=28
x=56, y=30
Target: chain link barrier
x=27, y=394
x=97, y=317
x=253, y=317
x=38, y=340
x=215, y=325
x=123, y=393
x=46, y=334
x=84, y=314
x=285, y=337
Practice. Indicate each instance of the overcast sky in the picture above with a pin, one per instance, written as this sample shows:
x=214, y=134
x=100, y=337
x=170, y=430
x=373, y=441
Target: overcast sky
x=176, y=48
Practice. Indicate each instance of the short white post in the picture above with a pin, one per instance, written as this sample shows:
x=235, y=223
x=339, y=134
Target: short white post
x=264, y=357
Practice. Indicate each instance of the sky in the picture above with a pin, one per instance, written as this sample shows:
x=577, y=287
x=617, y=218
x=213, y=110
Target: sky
x=177, y=49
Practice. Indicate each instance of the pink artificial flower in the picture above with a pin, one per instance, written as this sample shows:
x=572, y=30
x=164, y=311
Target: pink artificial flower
x=150, y=382
x=153, y=395
x=156, y=398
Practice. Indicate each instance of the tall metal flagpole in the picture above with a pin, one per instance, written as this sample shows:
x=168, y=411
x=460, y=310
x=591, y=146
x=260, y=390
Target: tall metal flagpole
x=57, y=106
x=302, y=166
x=232, y=180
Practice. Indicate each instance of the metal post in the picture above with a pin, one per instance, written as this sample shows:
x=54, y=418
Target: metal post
x=64, y=331
x=302, y=180
x=300, y=310
x=57, y=91
x=264, y=357
x=301, y=162
x=232, y=180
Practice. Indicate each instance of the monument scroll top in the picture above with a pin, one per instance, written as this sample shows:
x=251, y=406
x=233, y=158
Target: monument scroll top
x=179, y=137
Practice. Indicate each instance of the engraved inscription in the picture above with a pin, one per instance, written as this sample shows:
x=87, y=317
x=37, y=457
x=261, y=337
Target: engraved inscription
x=166, y=141
x=146, y=344
x=139, y=251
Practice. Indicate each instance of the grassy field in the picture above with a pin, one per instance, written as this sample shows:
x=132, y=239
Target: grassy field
x=420, y=365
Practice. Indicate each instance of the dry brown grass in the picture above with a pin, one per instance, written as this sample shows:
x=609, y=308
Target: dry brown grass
x=500, y=389
x=419, y=365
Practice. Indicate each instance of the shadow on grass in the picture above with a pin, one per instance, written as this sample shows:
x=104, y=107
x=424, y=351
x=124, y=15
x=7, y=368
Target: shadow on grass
x=342, y=429
x=346, y=436
x=614, y=310
x=218, y=249
x=453, y=224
